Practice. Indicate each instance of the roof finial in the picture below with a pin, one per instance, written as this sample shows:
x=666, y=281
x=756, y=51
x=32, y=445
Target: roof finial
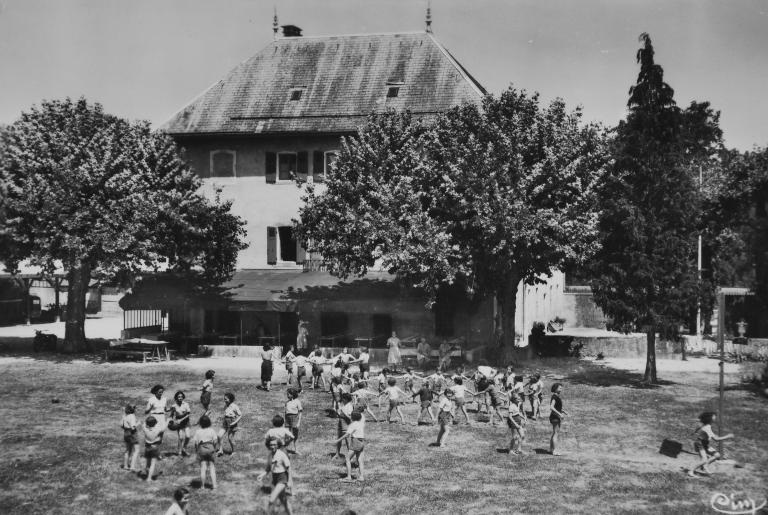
x=275, y=25
x=429, y=16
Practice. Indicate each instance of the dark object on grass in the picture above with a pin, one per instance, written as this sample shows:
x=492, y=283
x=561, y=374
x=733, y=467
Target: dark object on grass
x=600, y=356
x=55, y=401
x=671, y=448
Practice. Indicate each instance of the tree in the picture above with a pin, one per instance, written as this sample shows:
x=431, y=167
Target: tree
x=645, y=275
x=99, y=196
x=481, y=199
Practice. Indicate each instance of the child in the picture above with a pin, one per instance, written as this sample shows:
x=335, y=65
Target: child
x=436, y=381
x=180, y=501
x=395, y=395
x=425, y=399
x=494, y=397
x=293, y=411
x=302, y=366
x=232, y=416
x=535, y=392
x=703, y=443
x=515, y=422
x=459, y=391
x=180, y=421
x=279, y=432
x=360, y=397
x=131, y=439
x=289, y=359
x=355, y=436
x=345, y=417
x=317, y=360
x=156, y=405
x=345, y=357
x=556, y=414
x=409, y=379
x=445, y=416
x=518, y=392
x=363, y=362
x=282, y=480
x=266, y=356
x=335, y=394
x=206, y=391
x=206, y=442
x=153, y=437
x=508, y=379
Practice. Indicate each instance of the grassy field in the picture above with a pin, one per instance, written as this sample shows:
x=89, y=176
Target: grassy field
x=65, y=457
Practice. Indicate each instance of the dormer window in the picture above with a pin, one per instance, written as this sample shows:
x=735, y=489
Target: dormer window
x=296, y=94
x=393, y=91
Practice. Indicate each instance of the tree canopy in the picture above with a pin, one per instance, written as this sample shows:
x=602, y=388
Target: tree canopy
x=482, y=198
x=645, y=274
x=99, y=195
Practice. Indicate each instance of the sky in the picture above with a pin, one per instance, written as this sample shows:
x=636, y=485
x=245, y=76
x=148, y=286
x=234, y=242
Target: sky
x=146, y=59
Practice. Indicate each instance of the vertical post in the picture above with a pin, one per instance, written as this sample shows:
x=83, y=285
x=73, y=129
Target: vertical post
x=721, y=343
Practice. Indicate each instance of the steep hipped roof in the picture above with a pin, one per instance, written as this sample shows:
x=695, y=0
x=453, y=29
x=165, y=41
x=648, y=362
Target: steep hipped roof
x=342, y=80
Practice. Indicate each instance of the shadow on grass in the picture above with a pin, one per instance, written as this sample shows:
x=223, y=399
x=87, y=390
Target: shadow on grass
x=59, y=358
x=541, y=451
x=603, y=376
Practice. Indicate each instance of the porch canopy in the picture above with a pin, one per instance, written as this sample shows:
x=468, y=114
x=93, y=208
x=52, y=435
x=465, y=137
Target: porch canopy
x=281, y=290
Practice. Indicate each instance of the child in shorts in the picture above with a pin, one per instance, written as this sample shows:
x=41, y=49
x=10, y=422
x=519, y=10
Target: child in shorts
x=130, y=425
x=335, y=394
x=409, y=379
x=360, y=397
x=363, y=362
x=515, y=423
x=289, y=360
x=317, y=360
x=425, y=396
x=282, y=480
x=396, y=396
x=344, y=414
x=206, y=391
x=232, y=416
x=180, y=413
x=703, y=444
x=302, y=369
x=279, y=431
x=535, y=392
x=180, y=502
x=293, y=410
x=355, y=437
x=556, y=415
x=459, y=399
x=206, y=444
x=494, y=397
x=444, y=416
x=153, y=437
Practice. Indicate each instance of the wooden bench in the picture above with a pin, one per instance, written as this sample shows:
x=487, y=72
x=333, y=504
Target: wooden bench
x=147, y=352
x=119, y=351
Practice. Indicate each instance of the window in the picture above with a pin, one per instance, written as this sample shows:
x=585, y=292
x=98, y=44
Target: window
x=223, y=163
x=322, y=161
x=393, y=91
x=283, y=247
x=296, y=94
x=286, y=166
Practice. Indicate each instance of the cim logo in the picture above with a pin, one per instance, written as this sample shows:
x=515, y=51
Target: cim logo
x=735, y=504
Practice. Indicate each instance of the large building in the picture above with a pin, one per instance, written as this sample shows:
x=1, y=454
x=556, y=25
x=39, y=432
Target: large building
x=281, y=114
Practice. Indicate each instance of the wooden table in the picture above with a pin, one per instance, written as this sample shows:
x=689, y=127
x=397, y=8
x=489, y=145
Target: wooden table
x=158, y=348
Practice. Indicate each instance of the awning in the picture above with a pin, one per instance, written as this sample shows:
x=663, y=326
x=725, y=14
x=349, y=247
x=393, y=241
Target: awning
x=281, y=290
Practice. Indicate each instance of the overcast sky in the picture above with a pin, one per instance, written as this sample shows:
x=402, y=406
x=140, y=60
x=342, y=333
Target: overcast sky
x=146, y=59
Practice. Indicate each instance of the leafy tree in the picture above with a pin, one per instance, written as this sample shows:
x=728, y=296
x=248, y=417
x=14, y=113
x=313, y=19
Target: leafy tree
x=645, y=276
x=99, y=195
x=483, y=198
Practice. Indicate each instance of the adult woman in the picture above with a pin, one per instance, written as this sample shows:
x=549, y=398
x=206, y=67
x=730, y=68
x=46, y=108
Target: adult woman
x=393, y=358
x=266, y=366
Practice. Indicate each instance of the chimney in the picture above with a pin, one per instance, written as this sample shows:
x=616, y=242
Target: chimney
x=291, y=31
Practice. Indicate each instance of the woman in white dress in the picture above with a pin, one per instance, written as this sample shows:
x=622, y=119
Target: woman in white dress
x=393, y=358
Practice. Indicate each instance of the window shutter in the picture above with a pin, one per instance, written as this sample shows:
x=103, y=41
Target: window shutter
x=270, y=167
x=302, y=165
x=318, y=166
x=301, y=254
x=271, y=245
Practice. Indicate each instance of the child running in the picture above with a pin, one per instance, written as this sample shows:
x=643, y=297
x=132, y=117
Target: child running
x=355, y=436
x=206, y=391
x=396, y=396
x=153, y=437
x=206, y=443
x=703, y=444
x=180, y=501
x=232, y=416
x=282, y=480
x=293, y=411
x=130, y=425
x=445, y=416
x=180, y=413
x=459, y=391
x=556, y=415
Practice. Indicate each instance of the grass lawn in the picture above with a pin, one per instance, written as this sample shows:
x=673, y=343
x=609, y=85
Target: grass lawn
x=65, y=457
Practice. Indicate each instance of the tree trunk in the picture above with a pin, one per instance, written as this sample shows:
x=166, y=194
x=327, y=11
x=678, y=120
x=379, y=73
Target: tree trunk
x=504, y=323
x=650, y=361
x=79, y=277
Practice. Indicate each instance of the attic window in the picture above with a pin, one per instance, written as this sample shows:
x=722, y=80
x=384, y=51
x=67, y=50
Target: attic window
x=296, y=94
x=393, y=91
